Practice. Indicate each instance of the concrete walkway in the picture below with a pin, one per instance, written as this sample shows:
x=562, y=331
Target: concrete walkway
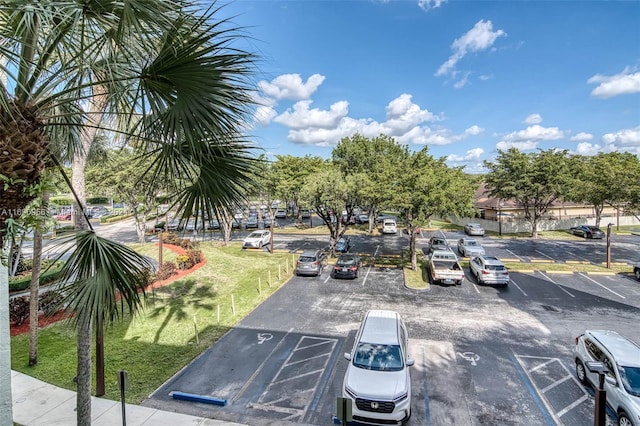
x=38, y=403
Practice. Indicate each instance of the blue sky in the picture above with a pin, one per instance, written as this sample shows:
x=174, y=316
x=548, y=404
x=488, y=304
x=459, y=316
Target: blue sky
x=465, y=78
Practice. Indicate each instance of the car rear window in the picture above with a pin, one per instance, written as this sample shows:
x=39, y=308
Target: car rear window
x=307, y=259
x=346, y=261
x=495, y=268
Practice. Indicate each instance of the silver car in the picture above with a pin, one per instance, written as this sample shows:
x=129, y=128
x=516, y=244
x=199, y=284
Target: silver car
x=474, y=229
x=257, y=239
x=489, y=270
x=378, y=379
x=622, y=358
x=470, y=247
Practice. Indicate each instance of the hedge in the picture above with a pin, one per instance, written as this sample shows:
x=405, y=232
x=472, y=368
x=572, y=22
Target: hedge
x=23, y=282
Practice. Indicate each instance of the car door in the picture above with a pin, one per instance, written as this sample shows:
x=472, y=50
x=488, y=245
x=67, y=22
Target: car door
x=612, y=381
x=595, y=354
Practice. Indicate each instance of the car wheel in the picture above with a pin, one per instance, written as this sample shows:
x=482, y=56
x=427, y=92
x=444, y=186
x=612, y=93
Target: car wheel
x=459, y=282
x=637, y=272
x=478, y=278
x=581, y=373
x=624, y=420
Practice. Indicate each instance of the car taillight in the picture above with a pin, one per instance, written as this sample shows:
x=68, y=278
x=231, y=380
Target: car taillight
x=485, y=272
x=352, y=268
x=315, y=263
x=336, y=268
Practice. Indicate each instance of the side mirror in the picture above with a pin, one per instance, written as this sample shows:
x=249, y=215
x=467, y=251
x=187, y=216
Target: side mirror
x=410, y=362
x=347, y=356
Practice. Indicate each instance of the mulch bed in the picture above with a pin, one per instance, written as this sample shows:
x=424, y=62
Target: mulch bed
x=45, y=320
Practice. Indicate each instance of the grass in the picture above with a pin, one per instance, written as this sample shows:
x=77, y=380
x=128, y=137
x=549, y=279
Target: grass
x=181, y=321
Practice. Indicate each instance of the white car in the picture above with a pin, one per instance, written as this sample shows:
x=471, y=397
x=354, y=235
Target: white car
x=489, y=270
x=257, y=239
x=377, y=379
x=470, y=247
x=474, y=229
x=389, y=226
x=621, y=357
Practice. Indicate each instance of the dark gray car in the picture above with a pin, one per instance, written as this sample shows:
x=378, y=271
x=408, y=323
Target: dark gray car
x=311, y=262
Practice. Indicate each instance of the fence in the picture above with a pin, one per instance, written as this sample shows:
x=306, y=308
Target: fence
x=514, y=226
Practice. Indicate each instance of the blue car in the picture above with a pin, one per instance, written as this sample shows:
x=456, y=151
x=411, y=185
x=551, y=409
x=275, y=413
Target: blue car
x=343, y=245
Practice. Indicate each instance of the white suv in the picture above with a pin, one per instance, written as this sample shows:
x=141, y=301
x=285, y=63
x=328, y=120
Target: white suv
x=489, y=270
x=389, y=226
x=377, y=379
x=622, y=358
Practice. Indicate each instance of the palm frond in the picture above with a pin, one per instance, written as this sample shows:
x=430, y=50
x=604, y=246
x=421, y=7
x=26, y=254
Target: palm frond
x=101, y=278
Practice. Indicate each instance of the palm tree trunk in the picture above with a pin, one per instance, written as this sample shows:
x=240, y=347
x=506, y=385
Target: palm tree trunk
x=83, y=402
x=6, y=402
x=33, y=297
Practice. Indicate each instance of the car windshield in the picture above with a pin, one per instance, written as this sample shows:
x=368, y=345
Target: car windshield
x=372, y=356
x=630, y=379
x=255, y=235
x=472, y=243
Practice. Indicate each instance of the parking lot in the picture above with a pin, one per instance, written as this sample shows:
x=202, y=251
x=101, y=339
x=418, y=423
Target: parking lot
x=484, y=355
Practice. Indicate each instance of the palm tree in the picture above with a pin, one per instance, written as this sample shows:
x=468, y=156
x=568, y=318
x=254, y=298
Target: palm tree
x=164, y=73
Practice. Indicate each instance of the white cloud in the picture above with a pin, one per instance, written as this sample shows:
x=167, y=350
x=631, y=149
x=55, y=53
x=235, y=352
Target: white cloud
x=624, y=138
x=474, y=130
x=586, y=148
x=521, y=146
x=480, y=37
x=535, y=133
x=403, y=114
x=582, y=137
x=471, y=155
x=291, y=86
x=427, y=5
x=533, y=119
x=619, y=84
x=301, y=116
x=264, y=114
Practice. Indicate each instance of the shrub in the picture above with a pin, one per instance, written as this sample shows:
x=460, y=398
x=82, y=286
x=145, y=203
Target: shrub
x=18, y=310
x=49, y=301
x=167, y=270
x=195, y=256
x=183, y=261
x=24, y=281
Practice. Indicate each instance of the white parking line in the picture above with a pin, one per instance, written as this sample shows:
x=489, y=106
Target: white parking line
x=596, y=282
x=555, y=283
x=548, y=257
x=517, y=286
x=514, y=255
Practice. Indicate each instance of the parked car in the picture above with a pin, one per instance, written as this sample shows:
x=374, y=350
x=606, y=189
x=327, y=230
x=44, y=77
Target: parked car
x=252, y=222
x=281, y=214
x=305, y=213
x=194, y=225
x=437, y=243
x=347, y=266
x=470, y=247
x=474, y=229
x=257, y=239
x=343, y=245
x=311, y=262
x=236, y=223
x=389, y=226
x=622, y=382
x=64, y=215
x=444, y=268
x=174, y=224
x=636, y=271
x=489, y=270
x=362, y=218
x=378, y=379
x=587, y=231
x=213, y=224
x=268, y=222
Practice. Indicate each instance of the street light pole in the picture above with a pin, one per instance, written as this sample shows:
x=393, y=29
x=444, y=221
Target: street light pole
x=609, y=245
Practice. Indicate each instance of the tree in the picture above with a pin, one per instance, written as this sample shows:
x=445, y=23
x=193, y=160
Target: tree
x=165, y=73
x=124, y=174
x=429, y=187
x=290, y=174
x=328, y=194
x=373, y=163
x=533, y=180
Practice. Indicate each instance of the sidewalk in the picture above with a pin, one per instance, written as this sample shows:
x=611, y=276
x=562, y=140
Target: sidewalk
x=39, y=403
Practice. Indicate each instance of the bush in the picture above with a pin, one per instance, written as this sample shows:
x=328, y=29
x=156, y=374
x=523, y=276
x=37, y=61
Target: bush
x=18, y=310
x=195, y=256
x=49, y=301
x=167, y=270
x=23, y=282
x=98, y=200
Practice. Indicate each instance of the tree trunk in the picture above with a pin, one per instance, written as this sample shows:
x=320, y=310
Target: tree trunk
x=412, y=248
x=33, y=297
x=6, y=402
x=83, y=401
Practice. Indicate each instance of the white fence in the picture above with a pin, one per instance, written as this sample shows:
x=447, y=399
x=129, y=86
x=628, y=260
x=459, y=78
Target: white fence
x=513, y=226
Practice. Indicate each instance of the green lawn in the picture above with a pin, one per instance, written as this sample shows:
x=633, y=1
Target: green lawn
x=155, y=345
